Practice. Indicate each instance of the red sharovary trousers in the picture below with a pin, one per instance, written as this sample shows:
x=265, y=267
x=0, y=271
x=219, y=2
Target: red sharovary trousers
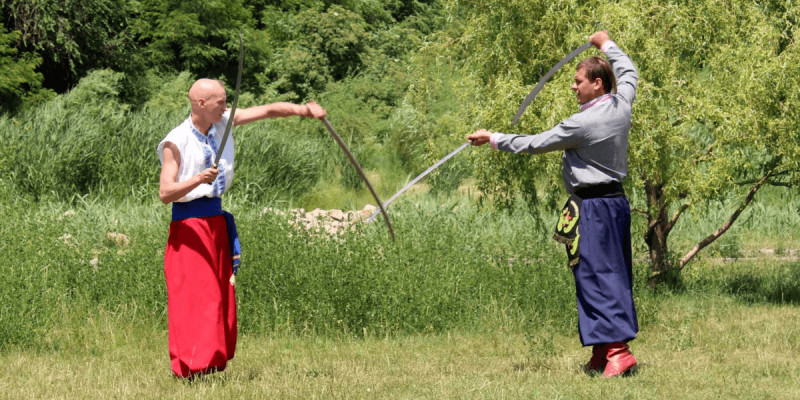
x=201, y=303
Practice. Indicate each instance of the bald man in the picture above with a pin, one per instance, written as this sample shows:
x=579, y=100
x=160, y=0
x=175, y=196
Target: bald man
x=203, y=245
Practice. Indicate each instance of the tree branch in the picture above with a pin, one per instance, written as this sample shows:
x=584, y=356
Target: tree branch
x=782, y=184
x=769, y=181
x=727, y=225
x=675, y=217
x=657, y=220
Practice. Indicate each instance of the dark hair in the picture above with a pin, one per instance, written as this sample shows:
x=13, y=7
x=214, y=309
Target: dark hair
x=598, y=67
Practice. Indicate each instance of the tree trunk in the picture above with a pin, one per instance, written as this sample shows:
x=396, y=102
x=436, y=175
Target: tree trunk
x=657, y=231
x=662, y=267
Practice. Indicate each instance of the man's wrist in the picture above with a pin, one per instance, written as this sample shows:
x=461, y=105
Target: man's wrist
x=493, y=139
x=607, y=45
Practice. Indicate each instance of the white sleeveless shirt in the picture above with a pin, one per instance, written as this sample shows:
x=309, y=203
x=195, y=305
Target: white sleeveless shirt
x=197, y=152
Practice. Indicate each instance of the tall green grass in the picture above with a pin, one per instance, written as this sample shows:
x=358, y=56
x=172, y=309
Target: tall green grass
x=60, y=265
x=88, y=142
x=455, y=265
x=445, y=269
x=451, y=263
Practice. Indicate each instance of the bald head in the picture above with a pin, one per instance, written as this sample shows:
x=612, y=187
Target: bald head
x=208, y=102
x=205, y=89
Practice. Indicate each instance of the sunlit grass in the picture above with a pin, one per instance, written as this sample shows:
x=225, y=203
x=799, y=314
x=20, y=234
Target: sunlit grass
x=467, y=303
x=699, y=347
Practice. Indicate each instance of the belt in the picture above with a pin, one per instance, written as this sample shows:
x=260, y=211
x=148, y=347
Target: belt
x=197, y=208
x=204, y=207
x=612, y=189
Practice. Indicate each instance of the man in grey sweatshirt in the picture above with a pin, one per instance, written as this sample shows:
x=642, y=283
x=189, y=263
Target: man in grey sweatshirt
x=595, y=223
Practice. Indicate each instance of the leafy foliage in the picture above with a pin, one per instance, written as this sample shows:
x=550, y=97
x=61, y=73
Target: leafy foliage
x=18, y=76
x=713, y=114
x=74, y=37
x=326, y=47
x=196, y=36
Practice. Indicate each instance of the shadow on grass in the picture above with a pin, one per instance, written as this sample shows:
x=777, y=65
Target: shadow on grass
x=754, y=289
x=593, y=373
x=772, y=284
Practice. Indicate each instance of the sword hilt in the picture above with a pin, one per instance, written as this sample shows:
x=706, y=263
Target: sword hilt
x=214, y=165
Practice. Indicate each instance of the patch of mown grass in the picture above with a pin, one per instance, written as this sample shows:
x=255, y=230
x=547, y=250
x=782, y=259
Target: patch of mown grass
x=701, y=347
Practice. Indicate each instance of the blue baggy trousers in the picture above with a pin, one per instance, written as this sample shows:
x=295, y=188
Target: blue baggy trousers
x=603, y=277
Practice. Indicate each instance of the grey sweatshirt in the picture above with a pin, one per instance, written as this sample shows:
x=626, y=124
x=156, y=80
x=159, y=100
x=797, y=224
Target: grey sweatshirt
x=594, y=140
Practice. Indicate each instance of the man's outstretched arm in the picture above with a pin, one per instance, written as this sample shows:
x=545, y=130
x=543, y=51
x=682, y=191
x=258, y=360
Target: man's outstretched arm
x=278, y=110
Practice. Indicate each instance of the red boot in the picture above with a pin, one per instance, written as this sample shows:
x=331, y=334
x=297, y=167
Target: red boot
x=598, y=361
x=620, y=359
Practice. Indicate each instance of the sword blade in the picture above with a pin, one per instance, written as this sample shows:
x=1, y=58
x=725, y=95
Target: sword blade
x=229, y=126
x=544, y=79
x=415, y=180
x=361, y=173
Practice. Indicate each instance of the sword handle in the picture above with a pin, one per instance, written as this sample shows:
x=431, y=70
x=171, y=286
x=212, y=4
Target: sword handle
x=213, y=165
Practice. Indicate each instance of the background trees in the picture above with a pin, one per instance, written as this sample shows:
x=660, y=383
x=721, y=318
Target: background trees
x=72, y=37
x=715, y=119
x=18, y=76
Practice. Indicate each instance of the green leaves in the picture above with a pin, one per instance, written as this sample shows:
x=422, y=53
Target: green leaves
x=18, y=76
x=716, y=106
x=72, y=37
x=325, y=47
x=193, y=35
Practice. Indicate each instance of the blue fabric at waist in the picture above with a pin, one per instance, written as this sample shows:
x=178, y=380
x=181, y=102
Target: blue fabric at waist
x=197, y=208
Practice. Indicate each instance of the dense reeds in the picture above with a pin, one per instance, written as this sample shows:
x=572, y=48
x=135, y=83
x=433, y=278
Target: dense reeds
x=87, y=142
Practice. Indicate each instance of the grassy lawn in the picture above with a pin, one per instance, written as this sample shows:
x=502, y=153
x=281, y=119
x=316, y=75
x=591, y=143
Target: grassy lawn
x=698, y=347
x=426, y=317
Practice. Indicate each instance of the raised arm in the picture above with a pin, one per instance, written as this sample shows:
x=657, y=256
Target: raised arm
x=624, y=70
x=277, y=110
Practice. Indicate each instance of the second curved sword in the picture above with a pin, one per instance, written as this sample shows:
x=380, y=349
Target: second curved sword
x=543, y=80
x=415, y=180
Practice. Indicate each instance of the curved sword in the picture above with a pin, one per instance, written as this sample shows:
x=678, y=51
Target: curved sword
x=360, y=171
x=420, y=176
x=235, y=101
x=544, y=79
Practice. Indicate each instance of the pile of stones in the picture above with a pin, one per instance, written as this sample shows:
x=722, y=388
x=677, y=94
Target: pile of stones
x=323, y=222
